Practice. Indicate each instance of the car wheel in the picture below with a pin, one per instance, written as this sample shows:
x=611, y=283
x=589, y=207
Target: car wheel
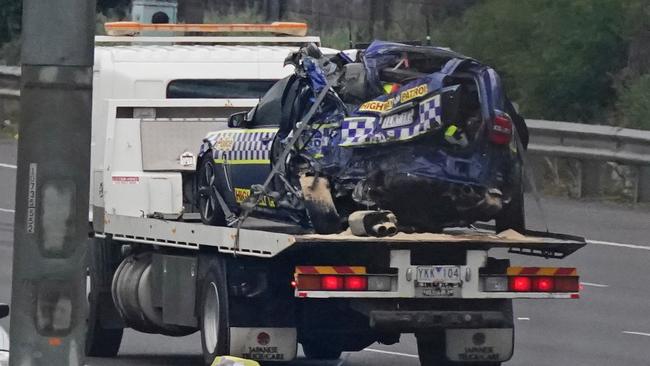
x=320, y=350
x=209, y=208
x=214, y=312
x=513, y=215
x=101, y=341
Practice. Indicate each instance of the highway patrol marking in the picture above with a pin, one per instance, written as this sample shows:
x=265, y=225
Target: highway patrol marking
x=242, y=146
x=376, y=106
x=242, y=194
x=416, y=92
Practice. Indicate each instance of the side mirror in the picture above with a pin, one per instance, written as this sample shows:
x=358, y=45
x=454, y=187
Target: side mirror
x=4, y=310
x=237, y=120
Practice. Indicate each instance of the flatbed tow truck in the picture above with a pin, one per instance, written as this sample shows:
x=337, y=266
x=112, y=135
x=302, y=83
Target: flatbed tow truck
x=258, y=291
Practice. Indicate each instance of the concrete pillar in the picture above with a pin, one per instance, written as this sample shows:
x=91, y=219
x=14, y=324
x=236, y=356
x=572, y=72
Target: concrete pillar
x=48, y=313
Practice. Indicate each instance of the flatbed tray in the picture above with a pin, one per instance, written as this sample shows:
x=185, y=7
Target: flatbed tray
x=264, y=239
x=534, y=243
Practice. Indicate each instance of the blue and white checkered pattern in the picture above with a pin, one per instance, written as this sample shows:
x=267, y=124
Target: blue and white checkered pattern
x=242, y=145
x=431, y=113
x=357, y=130
x=365, y=130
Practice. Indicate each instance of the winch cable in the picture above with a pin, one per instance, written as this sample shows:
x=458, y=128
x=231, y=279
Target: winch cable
x=528, y=174
x=302, y=125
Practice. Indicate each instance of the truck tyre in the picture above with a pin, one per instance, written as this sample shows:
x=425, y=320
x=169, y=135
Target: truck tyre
x=101, y=341
x=211, y=212
x=431, y=351
x=213, y=310
x=320, y=350
x=513, y=216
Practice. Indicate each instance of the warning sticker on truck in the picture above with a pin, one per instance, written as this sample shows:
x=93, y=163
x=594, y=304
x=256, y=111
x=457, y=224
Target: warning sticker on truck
x=483, y=345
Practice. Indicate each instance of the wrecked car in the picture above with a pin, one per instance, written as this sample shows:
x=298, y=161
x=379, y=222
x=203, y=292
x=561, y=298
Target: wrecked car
x=423, y=133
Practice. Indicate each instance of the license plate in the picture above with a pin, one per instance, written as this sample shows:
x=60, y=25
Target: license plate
x=438, y=274
x=397, y=120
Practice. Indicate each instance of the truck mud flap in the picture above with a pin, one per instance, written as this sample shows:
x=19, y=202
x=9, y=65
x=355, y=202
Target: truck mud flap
x=264, y=344
x=479, y=345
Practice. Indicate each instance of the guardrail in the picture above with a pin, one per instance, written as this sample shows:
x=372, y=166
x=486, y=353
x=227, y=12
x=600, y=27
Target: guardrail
x=591, y=145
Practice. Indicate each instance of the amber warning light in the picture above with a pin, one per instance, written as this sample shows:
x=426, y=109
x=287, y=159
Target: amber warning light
x=134, y=28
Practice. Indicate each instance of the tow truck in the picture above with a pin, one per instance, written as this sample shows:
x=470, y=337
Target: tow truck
x=259, y=289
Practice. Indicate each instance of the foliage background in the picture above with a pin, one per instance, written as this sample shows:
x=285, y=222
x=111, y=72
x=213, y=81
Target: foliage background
x=572, y=60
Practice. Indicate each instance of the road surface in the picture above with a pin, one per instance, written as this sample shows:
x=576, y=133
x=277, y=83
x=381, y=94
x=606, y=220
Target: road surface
x=609, y=325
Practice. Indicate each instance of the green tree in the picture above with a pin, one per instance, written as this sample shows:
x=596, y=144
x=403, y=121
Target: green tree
x=557, y=56
x=634, y=103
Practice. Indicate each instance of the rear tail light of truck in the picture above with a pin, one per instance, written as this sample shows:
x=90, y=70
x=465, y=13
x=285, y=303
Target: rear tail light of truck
x=327, y=278
x=315, y=282
x=501, y=129
x=532, y=279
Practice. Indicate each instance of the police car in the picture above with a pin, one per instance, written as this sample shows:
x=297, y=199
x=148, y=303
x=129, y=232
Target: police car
x=424, y=132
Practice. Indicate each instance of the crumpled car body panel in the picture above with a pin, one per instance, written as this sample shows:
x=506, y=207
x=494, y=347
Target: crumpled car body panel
x=401, y=150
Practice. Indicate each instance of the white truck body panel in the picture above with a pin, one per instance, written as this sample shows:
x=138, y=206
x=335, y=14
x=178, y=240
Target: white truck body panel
x=143, y=71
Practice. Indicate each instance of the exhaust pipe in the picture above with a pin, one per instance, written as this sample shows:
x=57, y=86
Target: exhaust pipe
x=373, y=223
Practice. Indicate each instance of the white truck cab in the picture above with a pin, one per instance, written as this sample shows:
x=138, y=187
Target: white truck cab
x=233, y=71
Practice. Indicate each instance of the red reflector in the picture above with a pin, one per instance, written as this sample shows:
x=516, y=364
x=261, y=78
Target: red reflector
x=356, y=283
x=567, y=284
x=543, y=284
x=501, y=131
x=520, y=284
x=331, y=283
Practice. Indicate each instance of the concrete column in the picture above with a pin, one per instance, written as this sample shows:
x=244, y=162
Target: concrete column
x=48, y=313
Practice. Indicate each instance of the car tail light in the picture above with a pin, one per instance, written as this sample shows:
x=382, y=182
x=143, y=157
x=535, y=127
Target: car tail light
x=356, y=283
x=520, y=284
x=331, y=283
x=501, y=129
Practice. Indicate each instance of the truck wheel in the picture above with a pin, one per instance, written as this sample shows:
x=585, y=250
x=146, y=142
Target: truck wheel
x=211, y=212
x=215, y=331
x=513, y=216
x=431, y=351
x=100, y=340
x=320, y=350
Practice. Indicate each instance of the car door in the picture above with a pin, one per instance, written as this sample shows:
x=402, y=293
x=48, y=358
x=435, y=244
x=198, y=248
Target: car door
x=248, y=161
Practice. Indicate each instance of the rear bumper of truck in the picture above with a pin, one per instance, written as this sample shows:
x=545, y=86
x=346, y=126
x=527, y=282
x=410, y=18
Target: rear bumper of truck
x=414, y=321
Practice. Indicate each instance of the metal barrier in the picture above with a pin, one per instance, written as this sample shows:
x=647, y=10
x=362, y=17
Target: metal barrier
x=591, y=145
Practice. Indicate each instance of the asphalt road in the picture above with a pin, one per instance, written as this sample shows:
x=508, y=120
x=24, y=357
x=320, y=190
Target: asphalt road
x=609, y=325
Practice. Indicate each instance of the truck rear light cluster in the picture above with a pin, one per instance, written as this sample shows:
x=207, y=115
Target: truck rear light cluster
x=327, y=278
x=501, y=129
x=532, y=279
